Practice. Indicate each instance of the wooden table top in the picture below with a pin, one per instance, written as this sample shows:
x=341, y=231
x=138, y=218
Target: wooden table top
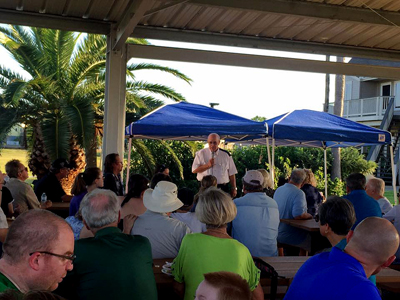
x=59, y=206
x=289, y=265
x=309, y=225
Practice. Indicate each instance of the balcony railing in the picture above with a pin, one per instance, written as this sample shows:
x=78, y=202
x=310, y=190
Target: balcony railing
x=371, y=108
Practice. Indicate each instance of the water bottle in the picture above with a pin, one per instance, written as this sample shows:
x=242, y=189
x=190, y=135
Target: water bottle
x=43, y=199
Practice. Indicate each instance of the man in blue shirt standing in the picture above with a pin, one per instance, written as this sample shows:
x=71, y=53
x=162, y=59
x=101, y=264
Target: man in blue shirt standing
x=364, y=205
x=344, y=274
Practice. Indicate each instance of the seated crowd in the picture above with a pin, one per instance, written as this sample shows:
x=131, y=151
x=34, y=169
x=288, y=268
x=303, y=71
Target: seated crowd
x=106, y=246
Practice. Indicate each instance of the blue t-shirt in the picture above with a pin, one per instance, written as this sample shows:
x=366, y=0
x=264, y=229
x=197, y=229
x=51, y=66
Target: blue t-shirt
x=331, y=276
x=364, y=205
x=256, y=223
x=291, y=203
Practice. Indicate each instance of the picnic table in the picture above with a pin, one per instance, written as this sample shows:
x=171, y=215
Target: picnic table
x=286, y=266
x=318, y=242
x=60, y=208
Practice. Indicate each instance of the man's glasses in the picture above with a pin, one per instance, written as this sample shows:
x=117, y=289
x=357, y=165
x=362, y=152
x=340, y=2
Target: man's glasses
x=213, y=143
x=67, y=257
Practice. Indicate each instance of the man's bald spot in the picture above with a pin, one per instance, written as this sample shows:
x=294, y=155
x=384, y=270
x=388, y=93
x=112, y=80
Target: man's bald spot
x=376, y=239
x=213, y=135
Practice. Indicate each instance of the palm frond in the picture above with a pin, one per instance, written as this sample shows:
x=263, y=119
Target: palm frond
x=146, y=155
x=14, y=92
x=56, y=135
x=159, y=89
x=174, y=158
x=80, y=115
x=144, y=66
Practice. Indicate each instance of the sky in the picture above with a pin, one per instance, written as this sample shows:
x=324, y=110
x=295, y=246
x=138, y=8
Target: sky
x=247, y=92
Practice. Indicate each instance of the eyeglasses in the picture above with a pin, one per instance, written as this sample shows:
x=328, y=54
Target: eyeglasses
x=68, y=257
x=213, y=143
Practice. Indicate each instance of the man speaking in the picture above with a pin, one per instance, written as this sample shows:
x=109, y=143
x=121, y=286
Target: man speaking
x=216, y=162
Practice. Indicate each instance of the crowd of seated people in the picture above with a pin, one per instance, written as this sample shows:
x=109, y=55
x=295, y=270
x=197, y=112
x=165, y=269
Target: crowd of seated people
x=211, y=237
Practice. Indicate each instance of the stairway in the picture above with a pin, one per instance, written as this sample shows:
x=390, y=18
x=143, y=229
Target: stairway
x=384, y=169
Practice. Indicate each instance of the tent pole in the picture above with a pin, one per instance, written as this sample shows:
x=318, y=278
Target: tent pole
x=129, y=164
x=396, y=200
x=273, y=162
x=325, y=175
x=269, y=157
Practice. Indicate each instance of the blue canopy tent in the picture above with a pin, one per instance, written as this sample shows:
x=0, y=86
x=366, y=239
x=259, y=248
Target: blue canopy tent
x=307, y=128
x=192, y=122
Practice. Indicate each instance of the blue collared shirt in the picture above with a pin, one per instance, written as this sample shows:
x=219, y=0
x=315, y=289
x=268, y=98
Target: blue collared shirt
x=331, y=276
x=256, y=224
x=364, y=205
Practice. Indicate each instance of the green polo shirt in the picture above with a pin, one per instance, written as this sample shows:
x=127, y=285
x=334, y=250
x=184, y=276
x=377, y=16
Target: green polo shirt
x=6, y=284
x=111, y=265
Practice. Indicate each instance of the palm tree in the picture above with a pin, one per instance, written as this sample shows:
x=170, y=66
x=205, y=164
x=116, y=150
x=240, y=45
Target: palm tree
x=63, y=97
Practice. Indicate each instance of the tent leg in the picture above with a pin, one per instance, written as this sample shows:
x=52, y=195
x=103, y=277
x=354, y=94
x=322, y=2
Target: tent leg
x=269, y=158
x=273, y=162
x=325, y=175
x=396, y=200
x=129, y=164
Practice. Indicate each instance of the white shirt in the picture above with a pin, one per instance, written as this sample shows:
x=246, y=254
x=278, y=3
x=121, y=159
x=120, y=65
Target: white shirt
x=385, y=205
x=223, y=165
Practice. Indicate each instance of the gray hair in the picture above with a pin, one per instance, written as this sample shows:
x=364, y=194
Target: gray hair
x=12, y=168
x=298, y=176
x=100, y=208
x=378, y=185
x=215, y=208
x=34, y=230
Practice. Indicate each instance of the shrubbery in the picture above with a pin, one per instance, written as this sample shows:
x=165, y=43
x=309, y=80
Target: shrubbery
x=255, y=157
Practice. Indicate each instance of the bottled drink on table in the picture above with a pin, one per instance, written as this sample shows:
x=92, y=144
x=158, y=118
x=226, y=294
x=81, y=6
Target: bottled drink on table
x=43, y=199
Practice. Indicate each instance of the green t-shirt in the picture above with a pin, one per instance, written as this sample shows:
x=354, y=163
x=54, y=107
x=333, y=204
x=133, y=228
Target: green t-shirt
x=200, y=254
x=6, y=284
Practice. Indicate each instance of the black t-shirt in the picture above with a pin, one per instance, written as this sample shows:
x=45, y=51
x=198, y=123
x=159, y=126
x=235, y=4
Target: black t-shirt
x=50, y=185
x=6, y=198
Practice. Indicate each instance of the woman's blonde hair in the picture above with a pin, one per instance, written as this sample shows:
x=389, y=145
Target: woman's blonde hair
x=267, y=179
x=215, y=208
x=310, y=179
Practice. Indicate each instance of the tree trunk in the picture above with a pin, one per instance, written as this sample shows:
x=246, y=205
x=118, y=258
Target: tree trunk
x=91, y=153
x=327, y=85
x=338, y=111
x=39, y=162
x=78, y=160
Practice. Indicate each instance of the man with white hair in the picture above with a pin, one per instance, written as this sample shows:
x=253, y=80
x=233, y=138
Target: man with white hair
x=110, y=265
x=344, y=274
x=292, y=204
x=37, y=253
x=375, y=188
x=217, y=162
x=257, y=220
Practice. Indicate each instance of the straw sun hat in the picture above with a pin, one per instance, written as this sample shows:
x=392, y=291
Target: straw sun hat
x=163, y=199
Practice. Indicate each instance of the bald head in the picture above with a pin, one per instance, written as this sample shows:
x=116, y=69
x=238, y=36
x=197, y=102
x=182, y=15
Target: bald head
x=34, y=230
x=213, y=141
x=375, y=240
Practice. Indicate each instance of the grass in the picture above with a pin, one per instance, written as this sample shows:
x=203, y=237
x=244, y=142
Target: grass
x=389, y=196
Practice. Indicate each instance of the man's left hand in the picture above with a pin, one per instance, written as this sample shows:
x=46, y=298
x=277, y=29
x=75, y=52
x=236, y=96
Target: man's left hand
x=233, y=192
